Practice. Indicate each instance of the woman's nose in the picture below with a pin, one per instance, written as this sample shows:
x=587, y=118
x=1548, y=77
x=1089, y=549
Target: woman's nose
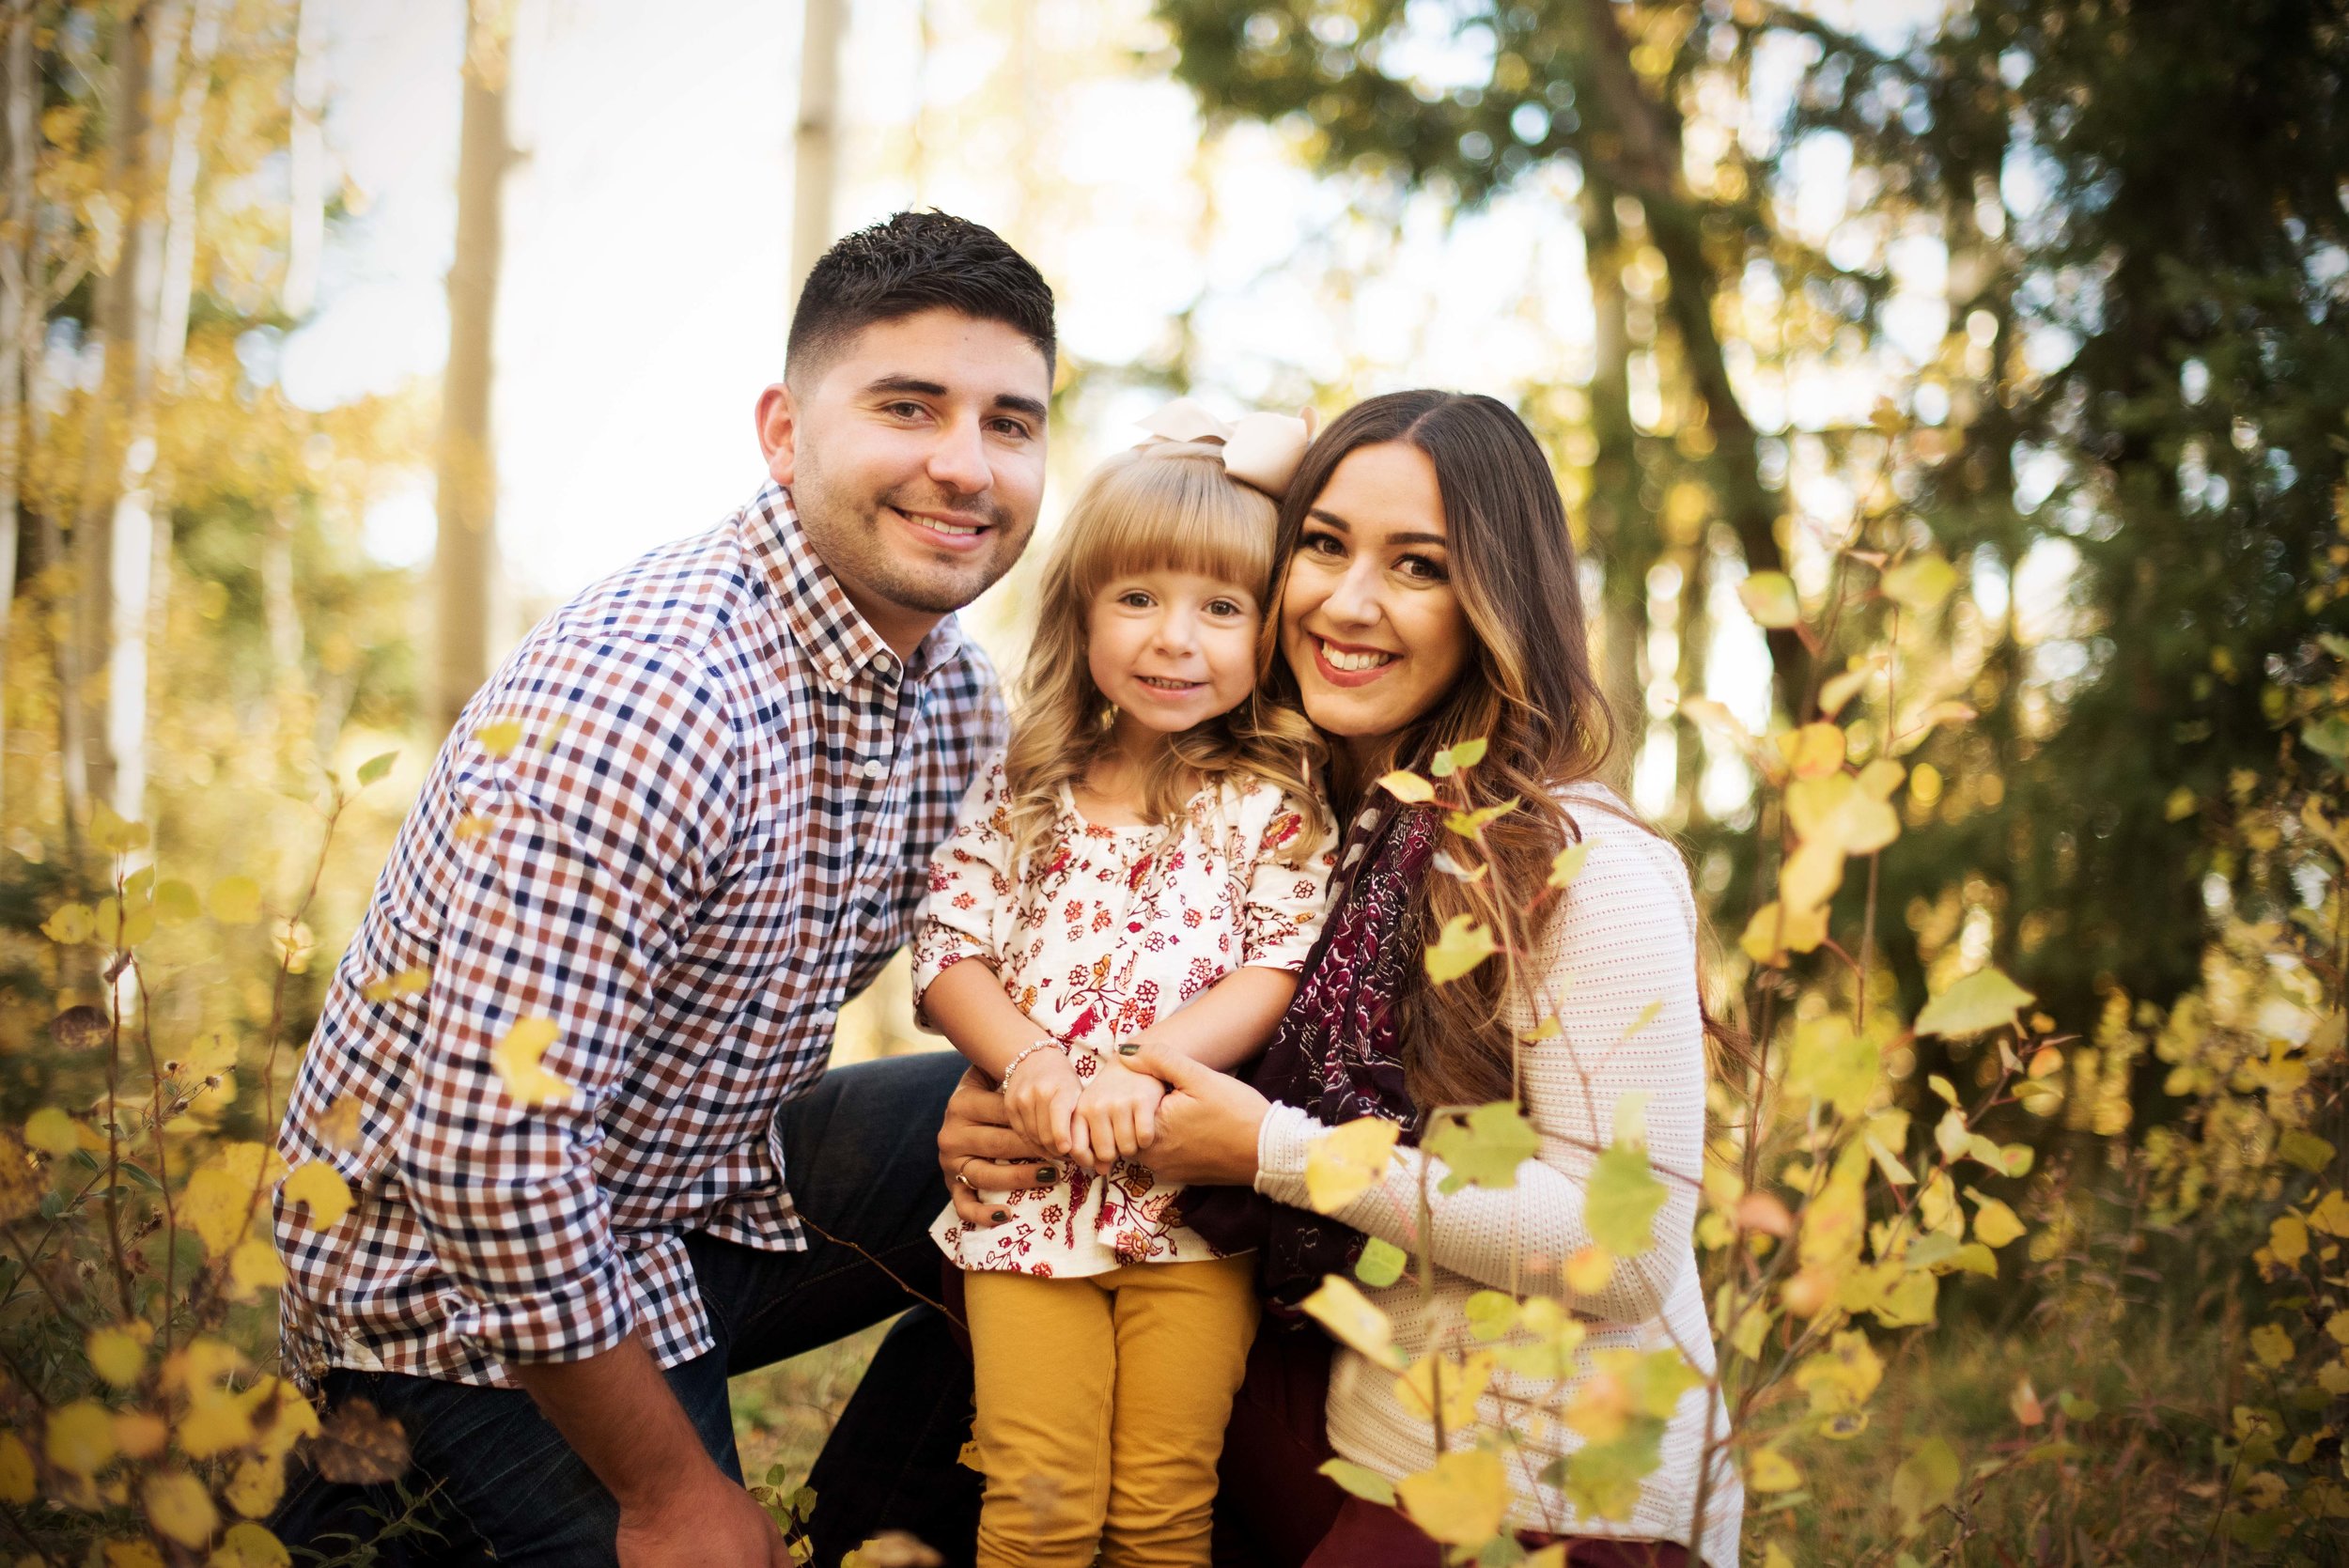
x=1353, y=598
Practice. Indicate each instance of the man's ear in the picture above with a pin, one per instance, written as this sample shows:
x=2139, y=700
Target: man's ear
x=778, y=431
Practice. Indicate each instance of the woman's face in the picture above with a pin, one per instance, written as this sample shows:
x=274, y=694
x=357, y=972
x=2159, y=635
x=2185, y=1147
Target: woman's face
x=1370, y=621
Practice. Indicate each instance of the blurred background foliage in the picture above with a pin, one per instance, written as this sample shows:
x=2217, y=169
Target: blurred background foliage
x=2053, y=289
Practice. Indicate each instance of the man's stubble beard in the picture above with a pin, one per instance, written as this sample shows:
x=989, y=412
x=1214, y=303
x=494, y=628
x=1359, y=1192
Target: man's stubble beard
x=846, y=535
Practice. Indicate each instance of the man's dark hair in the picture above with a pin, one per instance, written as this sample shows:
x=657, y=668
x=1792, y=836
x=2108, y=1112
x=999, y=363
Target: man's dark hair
x=916, y=261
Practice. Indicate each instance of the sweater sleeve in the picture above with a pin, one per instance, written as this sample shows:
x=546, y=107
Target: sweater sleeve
x=1623, y=942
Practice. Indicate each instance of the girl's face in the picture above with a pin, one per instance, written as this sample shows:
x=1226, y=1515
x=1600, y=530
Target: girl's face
x=1172, y=649
x=1370, y=621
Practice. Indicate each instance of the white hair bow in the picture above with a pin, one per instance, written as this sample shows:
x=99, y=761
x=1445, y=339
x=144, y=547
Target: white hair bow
x=1260, y=450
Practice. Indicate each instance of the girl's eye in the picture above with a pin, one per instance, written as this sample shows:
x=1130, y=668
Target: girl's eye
x=1225, y=607
x=1134, y=599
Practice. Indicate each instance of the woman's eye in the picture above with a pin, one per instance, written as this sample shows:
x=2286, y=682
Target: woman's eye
x=1322, y=544
x=1422, y=569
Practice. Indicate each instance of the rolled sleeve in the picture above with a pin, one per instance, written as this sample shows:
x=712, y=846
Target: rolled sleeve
x=970, y=883
x=583, y=846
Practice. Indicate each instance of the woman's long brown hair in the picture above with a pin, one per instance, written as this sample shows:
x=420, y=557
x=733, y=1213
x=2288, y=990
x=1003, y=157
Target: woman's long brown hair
x=1529, y=690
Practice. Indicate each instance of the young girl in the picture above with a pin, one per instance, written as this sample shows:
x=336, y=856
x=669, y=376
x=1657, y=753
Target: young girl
x=1146, y=861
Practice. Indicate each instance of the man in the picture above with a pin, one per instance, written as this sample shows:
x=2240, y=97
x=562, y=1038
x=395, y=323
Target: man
x=686, y=820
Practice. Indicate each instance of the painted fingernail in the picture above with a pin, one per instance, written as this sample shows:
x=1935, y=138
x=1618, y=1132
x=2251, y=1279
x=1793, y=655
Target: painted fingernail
x=1000, y=1217
x=1131, y=1048
x=1047, y=1174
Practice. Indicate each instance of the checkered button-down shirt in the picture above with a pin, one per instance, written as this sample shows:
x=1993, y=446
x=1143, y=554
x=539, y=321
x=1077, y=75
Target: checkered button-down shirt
x=687, y=819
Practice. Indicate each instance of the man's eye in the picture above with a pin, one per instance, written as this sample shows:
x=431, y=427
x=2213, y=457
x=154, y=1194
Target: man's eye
x=906, y=410
x=1013, y=429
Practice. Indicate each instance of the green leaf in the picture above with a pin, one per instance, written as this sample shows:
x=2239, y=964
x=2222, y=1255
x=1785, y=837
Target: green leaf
x=1831, y=1064
x=1984, y=999
x=1362, y=1482
x=1381, y=1263
x=1490, y=1314
x=1620, y=1200
x=376, y=767
x=2328, y=736
x=1602, y=1479
x=1483, y=1146
x=1919, y=582
x=1927, y=1479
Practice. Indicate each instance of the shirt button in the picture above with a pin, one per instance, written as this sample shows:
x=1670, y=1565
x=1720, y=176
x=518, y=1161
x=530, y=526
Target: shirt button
x=871, y=769
x=836, y=669
x=884, y=663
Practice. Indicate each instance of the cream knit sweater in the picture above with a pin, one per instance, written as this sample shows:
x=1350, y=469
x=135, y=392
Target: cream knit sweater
x=1623, y=939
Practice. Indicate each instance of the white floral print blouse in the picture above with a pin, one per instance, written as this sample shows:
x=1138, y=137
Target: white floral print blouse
x=1095, y=934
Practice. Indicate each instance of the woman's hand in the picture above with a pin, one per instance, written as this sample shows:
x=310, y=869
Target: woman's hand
x=983, y=1156
x=1116, y=1115
x=1040, y=1092
x=1208, y=1122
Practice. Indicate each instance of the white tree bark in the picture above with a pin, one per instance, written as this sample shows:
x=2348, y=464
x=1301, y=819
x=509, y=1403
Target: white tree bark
x=465, y=558
x=141, y=549
x=305, y=240
x=17, y=308
x=814, y=143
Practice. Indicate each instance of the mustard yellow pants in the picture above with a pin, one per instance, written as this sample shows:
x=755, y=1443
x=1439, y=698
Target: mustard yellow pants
x=1101, y=1407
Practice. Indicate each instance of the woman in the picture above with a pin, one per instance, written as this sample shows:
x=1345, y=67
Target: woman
x=1430, y=596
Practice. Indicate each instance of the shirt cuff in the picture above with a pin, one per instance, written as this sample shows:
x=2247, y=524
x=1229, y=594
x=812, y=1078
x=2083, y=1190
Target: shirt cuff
x=1283, y=1138
x=569, y=1322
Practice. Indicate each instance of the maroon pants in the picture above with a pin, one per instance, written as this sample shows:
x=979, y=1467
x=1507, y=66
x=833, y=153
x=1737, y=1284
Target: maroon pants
x=1275, y=1509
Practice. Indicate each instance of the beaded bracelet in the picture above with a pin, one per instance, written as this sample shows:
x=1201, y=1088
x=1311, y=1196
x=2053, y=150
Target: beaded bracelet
x=1003, y=1083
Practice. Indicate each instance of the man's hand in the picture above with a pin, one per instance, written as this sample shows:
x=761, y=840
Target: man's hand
x=1116, y=1115
x=618, y=1414
x=708, y=1521
x=983, y=1157
x=1208, y=1123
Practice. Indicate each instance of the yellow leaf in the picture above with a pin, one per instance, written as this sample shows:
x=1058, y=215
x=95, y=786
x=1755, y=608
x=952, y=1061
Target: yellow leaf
x=256, y=1486
x=1347, y=1162
x=133, y=1554
x=1468, y=753
x=1353, y=1320
x=2331, y=1214
x=216, y=1424
x=16, y=1471
x=1769, y=598
x=69, y=925
x=140, y=1434
x=176, y=903
x=407, y=983
x=2288, y=1239
x=2337, y=1327
x=1461, y=1385
x=321, y=1187
x=1588, y=1270
x=218, y=1203
x=1842, y=685
x=52, y=1132
x=2181, y=804
x=1768, y=1470
x=2272, y=1343
x=470, y=826
x=1774, y=1556
x=1919, y=582
x=1814, y=751
x=236, y=901
x=1994, y=1224
x=180, y=1507
x=1832, y=809
x=117, y=1355
x=1984, y=999
x=1567, y=865
x=1407, y=787
x=1460, y=1500
x=340, y=1127
x=110, y=834
x=500, y=736
x=517, y=1056
x=1464, y=944
x=253, y=1267
x=248, y=1545
x=1811, y=876
x=1829, y=1062
x=1840, y=1378
x=1775, y=930
x=81, y=1438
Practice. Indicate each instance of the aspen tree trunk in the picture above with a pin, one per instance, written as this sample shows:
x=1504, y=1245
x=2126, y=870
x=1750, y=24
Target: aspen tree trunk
x=1619, y=524
x=815, y=142
x=306, y=235
x=17, y=308
x=146, y=46
x=142, y=545
x=465, y=560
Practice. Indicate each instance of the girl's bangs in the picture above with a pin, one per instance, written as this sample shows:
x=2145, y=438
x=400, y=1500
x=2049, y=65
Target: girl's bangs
x=1174, y=510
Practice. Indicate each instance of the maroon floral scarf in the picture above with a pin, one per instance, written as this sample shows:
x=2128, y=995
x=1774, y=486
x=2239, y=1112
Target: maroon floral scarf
x=1338, y=1049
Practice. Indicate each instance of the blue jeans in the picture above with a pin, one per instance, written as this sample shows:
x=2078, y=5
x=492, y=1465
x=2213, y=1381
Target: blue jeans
x=505, y=1485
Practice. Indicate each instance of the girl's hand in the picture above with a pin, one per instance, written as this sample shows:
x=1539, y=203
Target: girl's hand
x=1042, y=1099
x=1117, y=1113
x=1208, y=1123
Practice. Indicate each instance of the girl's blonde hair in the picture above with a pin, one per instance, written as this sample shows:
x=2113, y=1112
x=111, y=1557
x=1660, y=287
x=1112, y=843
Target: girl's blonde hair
x=1168, y=506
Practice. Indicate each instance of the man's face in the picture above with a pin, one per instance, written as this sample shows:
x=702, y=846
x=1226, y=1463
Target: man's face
x=915, y=458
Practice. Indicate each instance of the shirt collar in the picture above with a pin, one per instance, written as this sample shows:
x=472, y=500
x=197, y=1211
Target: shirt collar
x=835, y=634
